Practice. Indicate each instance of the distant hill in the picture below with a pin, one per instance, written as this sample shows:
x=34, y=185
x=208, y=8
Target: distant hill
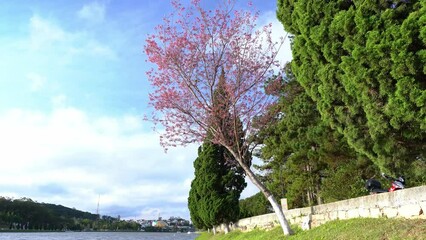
x=26, y=214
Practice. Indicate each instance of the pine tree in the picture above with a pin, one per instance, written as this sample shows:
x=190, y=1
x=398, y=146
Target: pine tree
x=300, y=152
x=363, y=63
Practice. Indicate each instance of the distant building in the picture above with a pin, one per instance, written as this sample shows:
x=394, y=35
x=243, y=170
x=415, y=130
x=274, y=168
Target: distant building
x=160, y=224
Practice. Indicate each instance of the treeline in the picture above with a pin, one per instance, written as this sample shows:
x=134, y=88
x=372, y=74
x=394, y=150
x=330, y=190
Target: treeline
x=26, y=214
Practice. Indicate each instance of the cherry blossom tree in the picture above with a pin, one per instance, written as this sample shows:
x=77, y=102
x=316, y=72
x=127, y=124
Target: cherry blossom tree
x=194, y=52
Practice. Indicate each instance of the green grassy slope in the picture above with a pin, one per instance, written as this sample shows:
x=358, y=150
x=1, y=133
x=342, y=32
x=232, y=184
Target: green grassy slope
x=360, y=228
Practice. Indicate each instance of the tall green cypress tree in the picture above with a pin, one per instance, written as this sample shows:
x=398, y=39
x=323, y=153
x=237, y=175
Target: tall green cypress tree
x=196, y=195
x=363, y=63
x=216, y=188
x=219, y=180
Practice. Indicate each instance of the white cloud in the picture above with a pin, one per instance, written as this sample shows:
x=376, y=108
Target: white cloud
x=93, y=12
x=44, y=33
x=89, y=47
x=59, y=100
x=150, y=213
x=37, y=81
x=48, y=36
x=67, y=157
x=99, y=49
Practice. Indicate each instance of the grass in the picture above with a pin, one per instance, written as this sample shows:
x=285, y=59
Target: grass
x=359, y=228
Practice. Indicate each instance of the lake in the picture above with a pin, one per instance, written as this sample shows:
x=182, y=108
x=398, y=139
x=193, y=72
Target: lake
x=97, y=236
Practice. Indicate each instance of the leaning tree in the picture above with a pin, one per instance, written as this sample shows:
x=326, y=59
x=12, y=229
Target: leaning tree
x=190, y=50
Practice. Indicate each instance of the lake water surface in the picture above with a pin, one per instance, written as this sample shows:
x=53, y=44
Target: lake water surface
x=98, y=236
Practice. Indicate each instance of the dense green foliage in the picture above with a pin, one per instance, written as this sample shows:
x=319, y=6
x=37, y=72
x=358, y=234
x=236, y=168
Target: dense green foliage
x=254, y=206
x=216, y=188
x=25, y=214
x=304, y=159
x=351, y=103
x=363, y=64
x=353, y=229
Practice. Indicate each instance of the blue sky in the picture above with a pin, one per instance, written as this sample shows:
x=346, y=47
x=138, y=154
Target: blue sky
x=73, y=93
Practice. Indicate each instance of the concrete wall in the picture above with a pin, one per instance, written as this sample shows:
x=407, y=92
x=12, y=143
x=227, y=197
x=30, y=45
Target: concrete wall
x=407, y=203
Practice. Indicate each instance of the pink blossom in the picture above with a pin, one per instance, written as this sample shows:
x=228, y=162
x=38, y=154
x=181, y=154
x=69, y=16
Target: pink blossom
x=189, y=55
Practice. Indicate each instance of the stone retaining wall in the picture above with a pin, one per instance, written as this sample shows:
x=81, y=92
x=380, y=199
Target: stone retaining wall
x=407, y=203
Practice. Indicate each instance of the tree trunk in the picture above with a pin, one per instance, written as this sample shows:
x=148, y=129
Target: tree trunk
x=277, y=208
x=214, y=230
x=308, y=196
x=319, y=199
x=226, y=228
x=280, y=214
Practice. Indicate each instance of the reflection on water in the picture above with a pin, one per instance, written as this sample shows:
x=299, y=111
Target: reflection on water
x=97, y=236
